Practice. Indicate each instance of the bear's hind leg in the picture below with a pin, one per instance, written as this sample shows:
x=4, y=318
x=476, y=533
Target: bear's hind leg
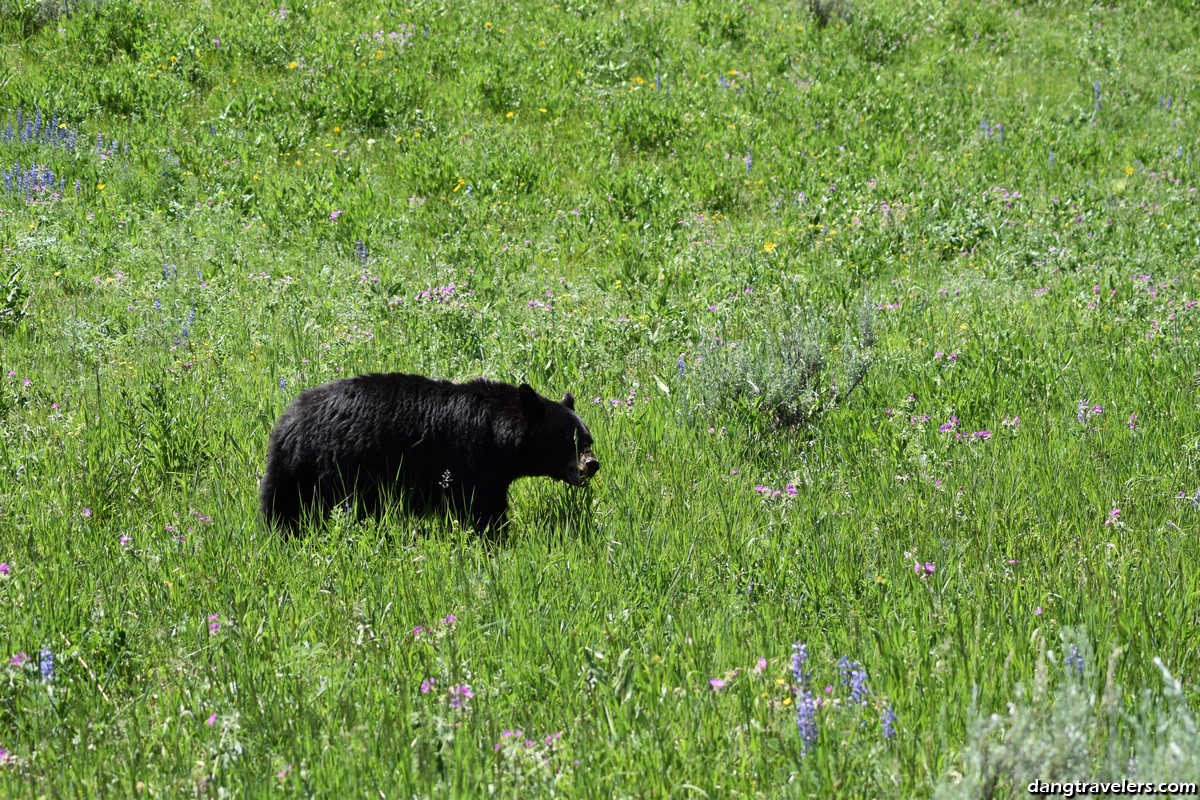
x=283, y=498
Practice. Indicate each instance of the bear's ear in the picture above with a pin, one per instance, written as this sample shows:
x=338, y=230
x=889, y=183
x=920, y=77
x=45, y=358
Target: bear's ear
x=569, y=401
x=531, y=404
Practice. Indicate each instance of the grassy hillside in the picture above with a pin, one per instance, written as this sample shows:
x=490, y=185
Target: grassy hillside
x=886, y=329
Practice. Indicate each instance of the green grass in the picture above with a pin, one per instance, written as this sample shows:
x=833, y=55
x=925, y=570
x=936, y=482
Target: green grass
x=611, y=188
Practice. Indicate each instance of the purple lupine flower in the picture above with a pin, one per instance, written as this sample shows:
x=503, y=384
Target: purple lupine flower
x=854, y=676
x=799, y=656
x=887, y=722
x=46, y=664
x=806, y=703
x=1075, y=659
x=806, y=719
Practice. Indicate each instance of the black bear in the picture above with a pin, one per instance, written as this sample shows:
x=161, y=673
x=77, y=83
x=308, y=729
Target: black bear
x=432, y=443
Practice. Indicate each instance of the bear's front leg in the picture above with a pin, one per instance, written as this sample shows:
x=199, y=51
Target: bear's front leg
x=489, y=511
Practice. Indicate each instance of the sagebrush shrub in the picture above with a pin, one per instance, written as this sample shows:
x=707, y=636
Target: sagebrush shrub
x=789, y=376
x=1067, y=734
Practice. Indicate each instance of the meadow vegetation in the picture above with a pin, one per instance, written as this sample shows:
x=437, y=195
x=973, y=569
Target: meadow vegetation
x=883, y=316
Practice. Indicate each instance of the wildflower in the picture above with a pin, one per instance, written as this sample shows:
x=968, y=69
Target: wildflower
x=214, y=624
x=1133, y=422
x=1075, y=659
x=1037, y=612
x=768, y=247
x=449, y=620
x=460, y=694
x=760, y=665
x=46, y=664
x=19, y=659
x=333, y=215
x=212, y=719
x=799, y=656
x=717, y=684
x=888, y=722
x=854, y=676
x=283, y=772
x=1113, y=517
x=427, y=685
x=87, y=512
x=125, y=540
x=5, y=568
x=418, y=630
x=806, y=719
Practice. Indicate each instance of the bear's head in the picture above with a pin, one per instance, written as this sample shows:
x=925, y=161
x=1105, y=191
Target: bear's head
x=558, y=444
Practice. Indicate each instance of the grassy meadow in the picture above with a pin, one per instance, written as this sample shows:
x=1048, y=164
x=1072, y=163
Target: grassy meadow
x=884, y=320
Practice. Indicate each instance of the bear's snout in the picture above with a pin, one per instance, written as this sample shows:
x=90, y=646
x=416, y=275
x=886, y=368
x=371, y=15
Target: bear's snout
x=589, y=464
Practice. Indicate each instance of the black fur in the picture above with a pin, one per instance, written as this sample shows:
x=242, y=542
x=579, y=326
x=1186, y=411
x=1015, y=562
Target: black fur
x=432, y=442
